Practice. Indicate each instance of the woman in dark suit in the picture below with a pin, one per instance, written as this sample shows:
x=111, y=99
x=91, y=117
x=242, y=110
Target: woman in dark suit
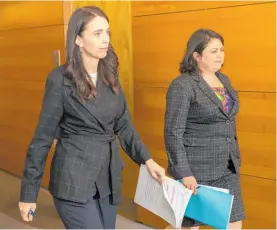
x=200, y=126
x=84, y=107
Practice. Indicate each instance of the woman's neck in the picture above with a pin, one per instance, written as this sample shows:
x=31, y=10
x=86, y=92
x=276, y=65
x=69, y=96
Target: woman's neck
x=208, y=74
x=90, y=64
x=211, y=79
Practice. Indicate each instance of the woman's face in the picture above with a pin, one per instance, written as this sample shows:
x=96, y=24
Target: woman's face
x=212, y=56
x=94, y=40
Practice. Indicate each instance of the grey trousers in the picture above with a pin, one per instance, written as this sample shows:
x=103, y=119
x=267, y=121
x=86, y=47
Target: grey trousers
x=95, y=214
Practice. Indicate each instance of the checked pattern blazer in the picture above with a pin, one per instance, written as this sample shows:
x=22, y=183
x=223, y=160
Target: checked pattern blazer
x=87, y=151
x=200, y=137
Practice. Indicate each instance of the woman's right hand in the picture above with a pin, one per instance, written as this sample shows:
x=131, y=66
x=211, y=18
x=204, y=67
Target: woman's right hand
x=190, y=183
x=25, y=208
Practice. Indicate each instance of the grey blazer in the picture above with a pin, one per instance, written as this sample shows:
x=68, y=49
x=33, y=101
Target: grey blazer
x=86, y=144
x=200, y=137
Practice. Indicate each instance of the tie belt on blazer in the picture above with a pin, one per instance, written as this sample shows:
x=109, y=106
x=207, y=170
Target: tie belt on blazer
x=92, y=138
x=115, y=159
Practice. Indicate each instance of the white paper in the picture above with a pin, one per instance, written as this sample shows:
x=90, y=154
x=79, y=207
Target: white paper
x=168, y=200
x=178, y=197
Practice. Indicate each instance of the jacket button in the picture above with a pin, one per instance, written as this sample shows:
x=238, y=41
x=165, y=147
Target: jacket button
x=228, y=139
x=227, y=122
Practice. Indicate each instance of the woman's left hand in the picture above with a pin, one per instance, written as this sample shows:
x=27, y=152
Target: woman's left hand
x=155, y=170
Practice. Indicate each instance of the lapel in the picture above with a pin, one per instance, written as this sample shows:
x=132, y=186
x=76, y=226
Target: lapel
x=91, y=106
x=208, y=91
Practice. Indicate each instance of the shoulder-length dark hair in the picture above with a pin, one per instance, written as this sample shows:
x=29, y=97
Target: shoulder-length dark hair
x=107, y=67
x=197, y=43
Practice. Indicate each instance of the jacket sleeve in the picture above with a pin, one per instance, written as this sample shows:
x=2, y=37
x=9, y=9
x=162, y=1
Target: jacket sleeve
x=129, y=139
x=50, y=116
x=177, y=108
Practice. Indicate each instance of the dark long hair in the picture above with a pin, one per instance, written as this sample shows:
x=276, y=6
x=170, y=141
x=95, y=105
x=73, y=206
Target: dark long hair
x=197, y=43
x=107, y=69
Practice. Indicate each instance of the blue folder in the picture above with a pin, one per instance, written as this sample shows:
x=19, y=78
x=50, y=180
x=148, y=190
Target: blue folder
x=210, y=207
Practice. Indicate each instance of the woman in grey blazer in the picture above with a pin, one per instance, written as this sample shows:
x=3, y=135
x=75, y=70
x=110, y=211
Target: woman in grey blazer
x=84, y=107
x=200, y=126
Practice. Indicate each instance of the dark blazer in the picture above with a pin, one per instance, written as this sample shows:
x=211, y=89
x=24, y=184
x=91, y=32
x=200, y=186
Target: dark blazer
x=87, y=141
x=200, y=137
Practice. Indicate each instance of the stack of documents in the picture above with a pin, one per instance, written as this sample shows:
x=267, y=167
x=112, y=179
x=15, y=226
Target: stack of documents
x=172, y=201
x=168, y=200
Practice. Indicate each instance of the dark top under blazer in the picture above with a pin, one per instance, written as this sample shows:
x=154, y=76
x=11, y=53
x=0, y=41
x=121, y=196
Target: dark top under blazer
x=86, y=141
x=200, y=137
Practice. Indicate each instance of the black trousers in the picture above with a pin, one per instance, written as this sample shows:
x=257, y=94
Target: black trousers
x=98, y=213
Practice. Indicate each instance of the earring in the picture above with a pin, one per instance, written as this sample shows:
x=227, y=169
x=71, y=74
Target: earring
x=79, y=54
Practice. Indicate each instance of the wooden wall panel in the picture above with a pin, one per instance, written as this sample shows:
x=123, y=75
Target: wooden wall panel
x=23, y=14
x=143, y=8
x=259, y=197
x=256, y=128
x=25, y=61
x=27, y=55
x=160, y=40
x=18, y=120
x=29, y=33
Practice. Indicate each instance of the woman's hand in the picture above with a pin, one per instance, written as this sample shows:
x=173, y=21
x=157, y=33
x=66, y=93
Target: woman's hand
x=27, y=210
x=155, y=170
x=190, y=183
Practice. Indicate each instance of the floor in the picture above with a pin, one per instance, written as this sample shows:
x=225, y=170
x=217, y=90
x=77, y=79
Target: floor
x=46, y=215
